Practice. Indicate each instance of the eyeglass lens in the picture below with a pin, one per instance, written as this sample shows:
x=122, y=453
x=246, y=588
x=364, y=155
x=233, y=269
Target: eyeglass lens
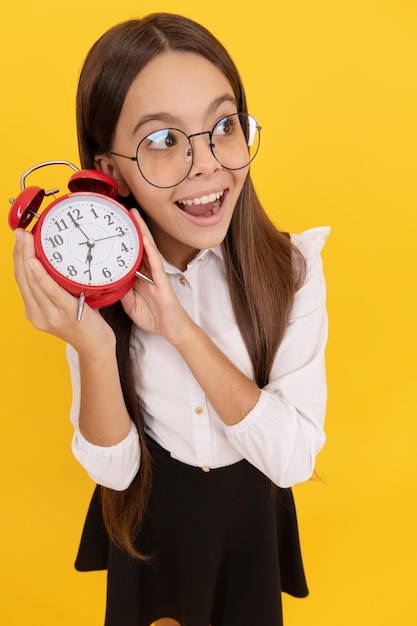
x=165, y=157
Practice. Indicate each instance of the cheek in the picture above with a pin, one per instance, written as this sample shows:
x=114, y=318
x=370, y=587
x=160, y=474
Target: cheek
x=239, y=179
x=138, y=187
x=152, y=201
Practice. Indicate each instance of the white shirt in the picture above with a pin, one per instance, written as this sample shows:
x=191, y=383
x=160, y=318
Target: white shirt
x=281, y=435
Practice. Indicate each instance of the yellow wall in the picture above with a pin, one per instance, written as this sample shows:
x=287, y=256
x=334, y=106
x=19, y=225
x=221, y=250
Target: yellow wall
x=334, y=86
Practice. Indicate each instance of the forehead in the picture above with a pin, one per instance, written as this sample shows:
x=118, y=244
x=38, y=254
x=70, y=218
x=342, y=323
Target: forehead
x=183, y=84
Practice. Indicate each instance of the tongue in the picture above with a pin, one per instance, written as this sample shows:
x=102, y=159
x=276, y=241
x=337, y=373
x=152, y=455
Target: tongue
x=197, y=209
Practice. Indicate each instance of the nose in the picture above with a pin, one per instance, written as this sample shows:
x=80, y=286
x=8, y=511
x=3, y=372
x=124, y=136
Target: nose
x=204, y=161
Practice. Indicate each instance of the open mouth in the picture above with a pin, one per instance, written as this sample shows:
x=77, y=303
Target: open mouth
x=204, y=206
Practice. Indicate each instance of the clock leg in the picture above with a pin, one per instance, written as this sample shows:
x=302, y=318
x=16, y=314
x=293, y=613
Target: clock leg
x=80, y=307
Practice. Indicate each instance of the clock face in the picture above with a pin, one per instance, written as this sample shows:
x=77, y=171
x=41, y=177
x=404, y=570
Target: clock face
x=89, y=240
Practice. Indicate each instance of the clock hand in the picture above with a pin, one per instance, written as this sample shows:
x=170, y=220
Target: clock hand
x=77, y=225
x=90, y=244
x=83, y=243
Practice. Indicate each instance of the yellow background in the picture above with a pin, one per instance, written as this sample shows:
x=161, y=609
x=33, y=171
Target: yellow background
x=333, y=84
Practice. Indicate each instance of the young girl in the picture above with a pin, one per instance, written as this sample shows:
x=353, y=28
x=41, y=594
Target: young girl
x=199, y=399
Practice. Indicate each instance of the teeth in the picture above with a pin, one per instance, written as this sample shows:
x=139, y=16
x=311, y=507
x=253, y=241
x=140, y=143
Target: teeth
x=214, y=210
x=204, y=199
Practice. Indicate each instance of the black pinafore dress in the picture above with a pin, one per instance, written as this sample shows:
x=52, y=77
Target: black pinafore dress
x=223, y=543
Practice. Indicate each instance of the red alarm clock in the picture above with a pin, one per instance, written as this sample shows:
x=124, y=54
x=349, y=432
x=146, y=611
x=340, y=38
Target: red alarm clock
x=86, y=240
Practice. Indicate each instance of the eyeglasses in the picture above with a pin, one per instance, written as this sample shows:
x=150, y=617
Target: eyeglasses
x=165, y=157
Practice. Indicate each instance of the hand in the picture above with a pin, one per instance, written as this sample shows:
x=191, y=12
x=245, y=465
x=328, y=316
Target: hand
x=154, y=307
x=51, y=308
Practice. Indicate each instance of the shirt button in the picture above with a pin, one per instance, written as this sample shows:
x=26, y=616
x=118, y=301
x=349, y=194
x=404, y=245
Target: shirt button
x=199, y=410
x=183, y=280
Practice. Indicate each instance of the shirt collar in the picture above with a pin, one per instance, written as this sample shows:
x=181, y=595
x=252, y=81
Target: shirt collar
x=215, y=250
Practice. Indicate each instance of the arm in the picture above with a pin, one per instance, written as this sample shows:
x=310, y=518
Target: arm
x=112, y=466
x=284, y=433
x=103, y=418
x=155, y=309
x=279, y=428
x=265, y=426
x=230, y=392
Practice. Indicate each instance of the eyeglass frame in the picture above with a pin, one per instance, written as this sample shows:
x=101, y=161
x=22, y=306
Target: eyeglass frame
x=211, y=145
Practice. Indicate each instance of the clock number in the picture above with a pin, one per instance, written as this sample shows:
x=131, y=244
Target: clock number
x=55, y=241
x=61, y=225
x=71, y=270
x=75, y=214
x=106, y=272
x=121, y=232
x=121, y=261
x=89, y=274
x=109, y=219
x=94, y=213
x=57, y=257
x=124, y=248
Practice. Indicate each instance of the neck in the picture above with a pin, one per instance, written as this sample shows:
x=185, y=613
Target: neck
x=174, y=252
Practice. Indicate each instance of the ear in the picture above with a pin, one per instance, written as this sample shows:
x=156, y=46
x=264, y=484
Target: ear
x=105, y=164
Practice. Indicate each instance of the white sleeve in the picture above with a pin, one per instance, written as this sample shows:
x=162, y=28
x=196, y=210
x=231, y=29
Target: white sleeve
x=283, y=433
x=114, y=466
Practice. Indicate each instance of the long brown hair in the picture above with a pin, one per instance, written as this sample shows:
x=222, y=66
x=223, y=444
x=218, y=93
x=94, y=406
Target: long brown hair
x=262, y=268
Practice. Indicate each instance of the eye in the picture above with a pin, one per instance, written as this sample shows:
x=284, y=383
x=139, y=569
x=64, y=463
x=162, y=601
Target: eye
x=161, y=139
x=225, y=126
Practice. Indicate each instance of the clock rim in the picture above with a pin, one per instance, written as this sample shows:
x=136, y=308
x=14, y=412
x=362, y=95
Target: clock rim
x=96, y=296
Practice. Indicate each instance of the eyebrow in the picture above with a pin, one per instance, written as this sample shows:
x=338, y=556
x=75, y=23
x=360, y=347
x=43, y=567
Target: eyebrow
x=167, y=118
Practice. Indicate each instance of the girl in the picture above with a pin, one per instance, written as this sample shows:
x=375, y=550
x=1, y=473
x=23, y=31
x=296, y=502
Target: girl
x=199, y=399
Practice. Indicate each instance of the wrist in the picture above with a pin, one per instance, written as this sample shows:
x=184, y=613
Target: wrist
x=188, y=336
x=95, y=339
x=97, y=350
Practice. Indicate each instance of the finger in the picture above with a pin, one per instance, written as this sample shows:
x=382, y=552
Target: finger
x=148, y=240
x=150, y=248
x=153, y=259
x=141, y=222
x=144, y=269
x=51, y=306
x=23, y=252
x=44, y=299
